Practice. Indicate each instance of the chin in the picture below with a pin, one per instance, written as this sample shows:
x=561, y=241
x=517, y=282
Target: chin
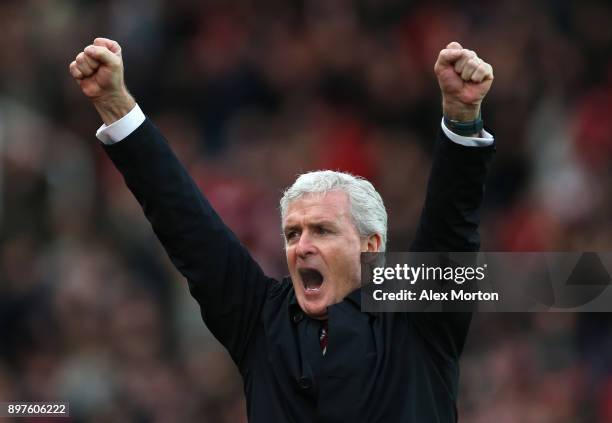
x=315, y=310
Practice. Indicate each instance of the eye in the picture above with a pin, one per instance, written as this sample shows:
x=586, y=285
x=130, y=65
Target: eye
x=321, y=230
x=291, y=235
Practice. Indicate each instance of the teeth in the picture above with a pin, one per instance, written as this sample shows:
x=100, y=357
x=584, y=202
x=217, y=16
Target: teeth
x=312, y=280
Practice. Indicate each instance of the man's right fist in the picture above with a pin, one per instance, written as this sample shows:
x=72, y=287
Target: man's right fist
x=98, y=70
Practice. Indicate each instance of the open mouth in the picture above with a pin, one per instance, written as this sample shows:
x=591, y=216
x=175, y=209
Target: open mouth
x=312, y=279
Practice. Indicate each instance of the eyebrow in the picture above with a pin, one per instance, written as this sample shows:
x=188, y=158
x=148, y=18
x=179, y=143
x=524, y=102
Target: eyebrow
x=313, y=223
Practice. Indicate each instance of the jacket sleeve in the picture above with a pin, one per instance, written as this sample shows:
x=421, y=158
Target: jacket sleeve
x=224, y=279
x=451, y=215
x=449, y=223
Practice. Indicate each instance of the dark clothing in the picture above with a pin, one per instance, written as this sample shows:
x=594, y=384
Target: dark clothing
x=388, y=367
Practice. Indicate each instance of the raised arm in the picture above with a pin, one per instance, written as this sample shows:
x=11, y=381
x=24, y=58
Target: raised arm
x=451, y=215
x=228, y=284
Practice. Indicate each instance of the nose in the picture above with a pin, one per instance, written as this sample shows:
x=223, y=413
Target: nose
x=305, y=245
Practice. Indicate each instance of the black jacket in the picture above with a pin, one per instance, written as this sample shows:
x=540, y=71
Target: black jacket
x=390, y=367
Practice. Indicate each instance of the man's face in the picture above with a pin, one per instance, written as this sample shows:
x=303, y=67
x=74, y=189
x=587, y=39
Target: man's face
x=323, y=250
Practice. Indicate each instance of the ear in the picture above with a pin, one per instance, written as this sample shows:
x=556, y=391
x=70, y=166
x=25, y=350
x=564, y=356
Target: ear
x=371, y=244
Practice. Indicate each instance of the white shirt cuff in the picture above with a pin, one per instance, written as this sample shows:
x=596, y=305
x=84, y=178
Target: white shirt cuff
x=484, y=140
x=118, y=130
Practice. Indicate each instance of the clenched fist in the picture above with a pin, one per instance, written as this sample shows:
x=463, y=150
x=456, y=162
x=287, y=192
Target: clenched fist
x=98, y=70
x=464, y=80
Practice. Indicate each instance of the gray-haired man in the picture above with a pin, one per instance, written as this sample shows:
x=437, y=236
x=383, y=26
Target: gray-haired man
x=305, y=350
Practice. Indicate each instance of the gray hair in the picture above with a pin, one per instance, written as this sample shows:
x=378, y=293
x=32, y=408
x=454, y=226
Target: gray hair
x=367, y=207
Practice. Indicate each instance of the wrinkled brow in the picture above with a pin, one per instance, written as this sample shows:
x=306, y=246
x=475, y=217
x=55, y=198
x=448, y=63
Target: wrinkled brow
x=312, y=222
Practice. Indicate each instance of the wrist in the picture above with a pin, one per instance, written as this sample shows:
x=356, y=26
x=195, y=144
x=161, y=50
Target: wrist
x=113, y=107
x=460, y=112
x=470, y=128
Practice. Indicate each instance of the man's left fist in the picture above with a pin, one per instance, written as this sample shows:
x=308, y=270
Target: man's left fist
x=464, y=79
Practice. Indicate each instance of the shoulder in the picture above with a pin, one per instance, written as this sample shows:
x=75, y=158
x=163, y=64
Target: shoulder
x=280, y=290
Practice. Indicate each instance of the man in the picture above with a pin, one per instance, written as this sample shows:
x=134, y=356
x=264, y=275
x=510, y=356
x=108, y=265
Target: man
x=305, y=350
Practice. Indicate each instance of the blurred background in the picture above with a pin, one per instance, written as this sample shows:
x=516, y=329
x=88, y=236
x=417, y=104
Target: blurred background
x=250, y=94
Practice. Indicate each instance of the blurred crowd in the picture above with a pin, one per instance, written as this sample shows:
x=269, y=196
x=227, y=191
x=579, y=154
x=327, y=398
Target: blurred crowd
x=250, y=94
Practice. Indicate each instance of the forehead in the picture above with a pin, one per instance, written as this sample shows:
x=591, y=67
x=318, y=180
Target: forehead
x=332, y=205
